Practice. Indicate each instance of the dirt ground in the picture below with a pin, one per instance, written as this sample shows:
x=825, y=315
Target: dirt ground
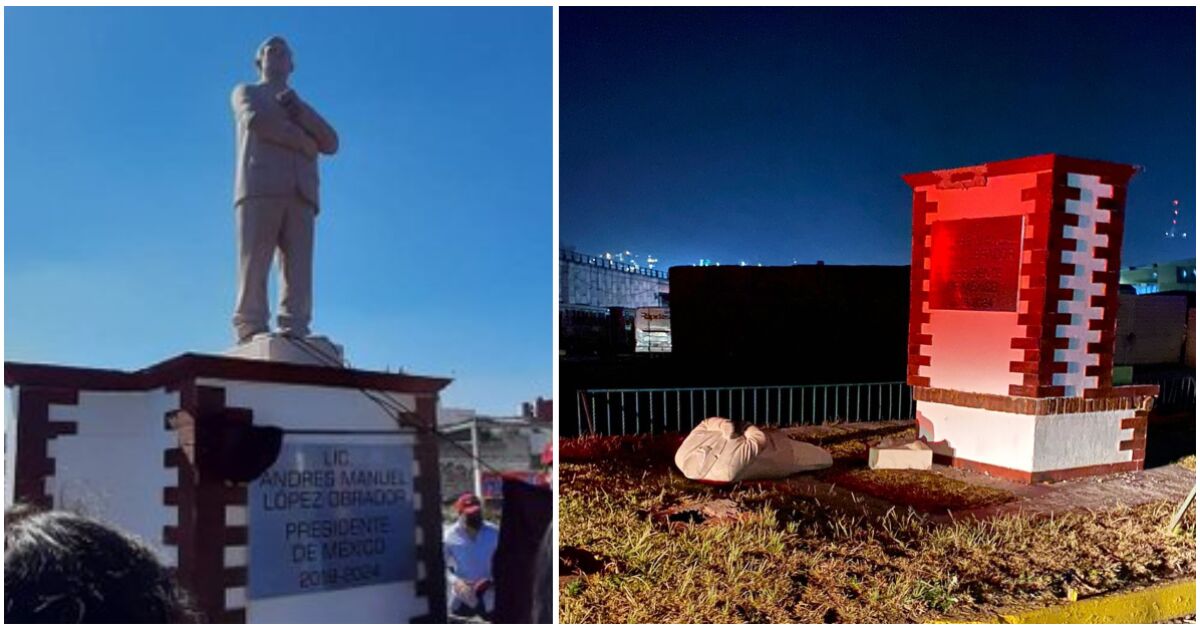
x=640, y=543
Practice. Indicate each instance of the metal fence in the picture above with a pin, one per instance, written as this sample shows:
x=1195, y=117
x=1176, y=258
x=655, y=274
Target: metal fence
x=630, y=411
x=1175, y=392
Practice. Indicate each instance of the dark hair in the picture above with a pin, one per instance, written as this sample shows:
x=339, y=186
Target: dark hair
x=60, y=567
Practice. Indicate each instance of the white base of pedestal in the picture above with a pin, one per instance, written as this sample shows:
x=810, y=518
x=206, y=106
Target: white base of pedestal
x=1025, y=442
x=312, y=350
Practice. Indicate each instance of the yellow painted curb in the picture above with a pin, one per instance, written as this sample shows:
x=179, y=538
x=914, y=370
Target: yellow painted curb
x=1149, y=605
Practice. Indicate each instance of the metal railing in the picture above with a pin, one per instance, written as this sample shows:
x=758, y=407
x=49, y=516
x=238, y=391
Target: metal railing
x=1175, y=392
x=630, y=411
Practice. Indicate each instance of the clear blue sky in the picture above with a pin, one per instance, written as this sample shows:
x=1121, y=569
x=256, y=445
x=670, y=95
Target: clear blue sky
x=434, y=249
x=769, y=135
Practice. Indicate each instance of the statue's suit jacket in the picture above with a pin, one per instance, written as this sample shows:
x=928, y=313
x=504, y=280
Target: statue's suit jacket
x=271, y=159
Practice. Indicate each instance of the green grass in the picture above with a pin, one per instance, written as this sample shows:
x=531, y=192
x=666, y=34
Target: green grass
x=788, y=559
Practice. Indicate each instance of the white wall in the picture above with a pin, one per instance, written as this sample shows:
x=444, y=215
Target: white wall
x=972, y=351
x=308, y=406
x=112, y=469
x=1081, y=439
x=1025, y=442
x=981, y=435
x=10, y=445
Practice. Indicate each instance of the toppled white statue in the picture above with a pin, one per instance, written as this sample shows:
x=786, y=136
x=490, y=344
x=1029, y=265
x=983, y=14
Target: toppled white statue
x=716, y=452
x=901, y=455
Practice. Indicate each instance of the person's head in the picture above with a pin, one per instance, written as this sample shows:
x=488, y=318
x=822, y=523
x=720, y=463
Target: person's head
x=470, y=510
x=274, y=59
x=60, y=567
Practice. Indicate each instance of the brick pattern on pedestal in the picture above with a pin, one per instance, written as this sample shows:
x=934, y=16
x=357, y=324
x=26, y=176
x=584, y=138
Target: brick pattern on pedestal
x=1088, y=361
x=211, y=534
x=171, y=485
x=1110, y=253
x=427, y=486
x=1136, y=445
x=919, y=337
x=1037, y=303
x=1063, y=333
x=34, y=469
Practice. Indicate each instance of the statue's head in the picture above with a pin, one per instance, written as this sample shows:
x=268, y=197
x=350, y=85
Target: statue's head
x=274, y=59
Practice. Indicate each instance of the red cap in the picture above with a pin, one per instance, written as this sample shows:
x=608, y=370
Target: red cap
x=467, y=503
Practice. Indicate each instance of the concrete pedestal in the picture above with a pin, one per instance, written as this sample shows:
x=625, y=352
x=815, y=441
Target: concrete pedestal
x=213, y=460
x=1013, y=318
x=311, y=350
x=1036, y=439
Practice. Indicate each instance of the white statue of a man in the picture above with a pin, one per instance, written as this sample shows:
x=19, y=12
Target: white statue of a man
x=276, y=193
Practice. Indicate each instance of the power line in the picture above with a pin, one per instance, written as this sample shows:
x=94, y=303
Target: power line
x=394, y=408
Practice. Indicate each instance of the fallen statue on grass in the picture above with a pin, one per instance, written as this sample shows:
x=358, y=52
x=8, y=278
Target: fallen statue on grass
x=717, y=452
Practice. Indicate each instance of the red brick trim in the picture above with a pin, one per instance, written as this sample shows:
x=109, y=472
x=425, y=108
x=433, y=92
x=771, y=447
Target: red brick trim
x=35, y=429
x=1053, y=208
x=1138, y=397
x=1086, y=471
x=1035, y=308
x=1136, y=445
x=1025, y=476
x=429, y=516
x=1034, y=163
x=182, y=495
x=924, y=212
x=201, y=533
x=1011, y=474
x=190, y=366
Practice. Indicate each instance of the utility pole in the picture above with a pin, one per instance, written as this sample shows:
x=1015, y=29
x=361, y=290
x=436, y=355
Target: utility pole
x=475, y=457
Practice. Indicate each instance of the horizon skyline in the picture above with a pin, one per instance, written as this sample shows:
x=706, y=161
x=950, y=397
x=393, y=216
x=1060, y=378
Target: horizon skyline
x=772, y=134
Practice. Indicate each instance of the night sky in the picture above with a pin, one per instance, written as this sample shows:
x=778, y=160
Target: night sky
x=779, y=135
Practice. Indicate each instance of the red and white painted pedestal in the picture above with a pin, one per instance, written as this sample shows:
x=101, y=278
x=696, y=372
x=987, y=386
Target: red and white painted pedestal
x=1013, y=317
x=173, y=454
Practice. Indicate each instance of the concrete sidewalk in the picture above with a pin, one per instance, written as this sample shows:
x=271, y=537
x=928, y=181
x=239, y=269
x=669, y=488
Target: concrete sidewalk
x=1170, y=482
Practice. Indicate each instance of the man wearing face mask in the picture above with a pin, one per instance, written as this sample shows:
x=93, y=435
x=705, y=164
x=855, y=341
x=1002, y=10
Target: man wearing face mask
x=469, y=545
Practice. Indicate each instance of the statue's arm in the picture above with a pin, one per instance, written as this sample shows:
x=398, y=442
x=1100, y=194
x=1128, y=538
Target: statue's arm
x=321, y=131
x=273, y=129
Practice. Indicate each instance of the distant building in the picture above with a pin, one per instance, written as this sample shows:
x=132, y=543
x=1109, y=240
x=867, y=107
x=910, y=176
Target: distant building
x=540, y=409
x=505, y=445
x=1154, y=328
x=1178, y=275
x=597, y=299
x=594, y=281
